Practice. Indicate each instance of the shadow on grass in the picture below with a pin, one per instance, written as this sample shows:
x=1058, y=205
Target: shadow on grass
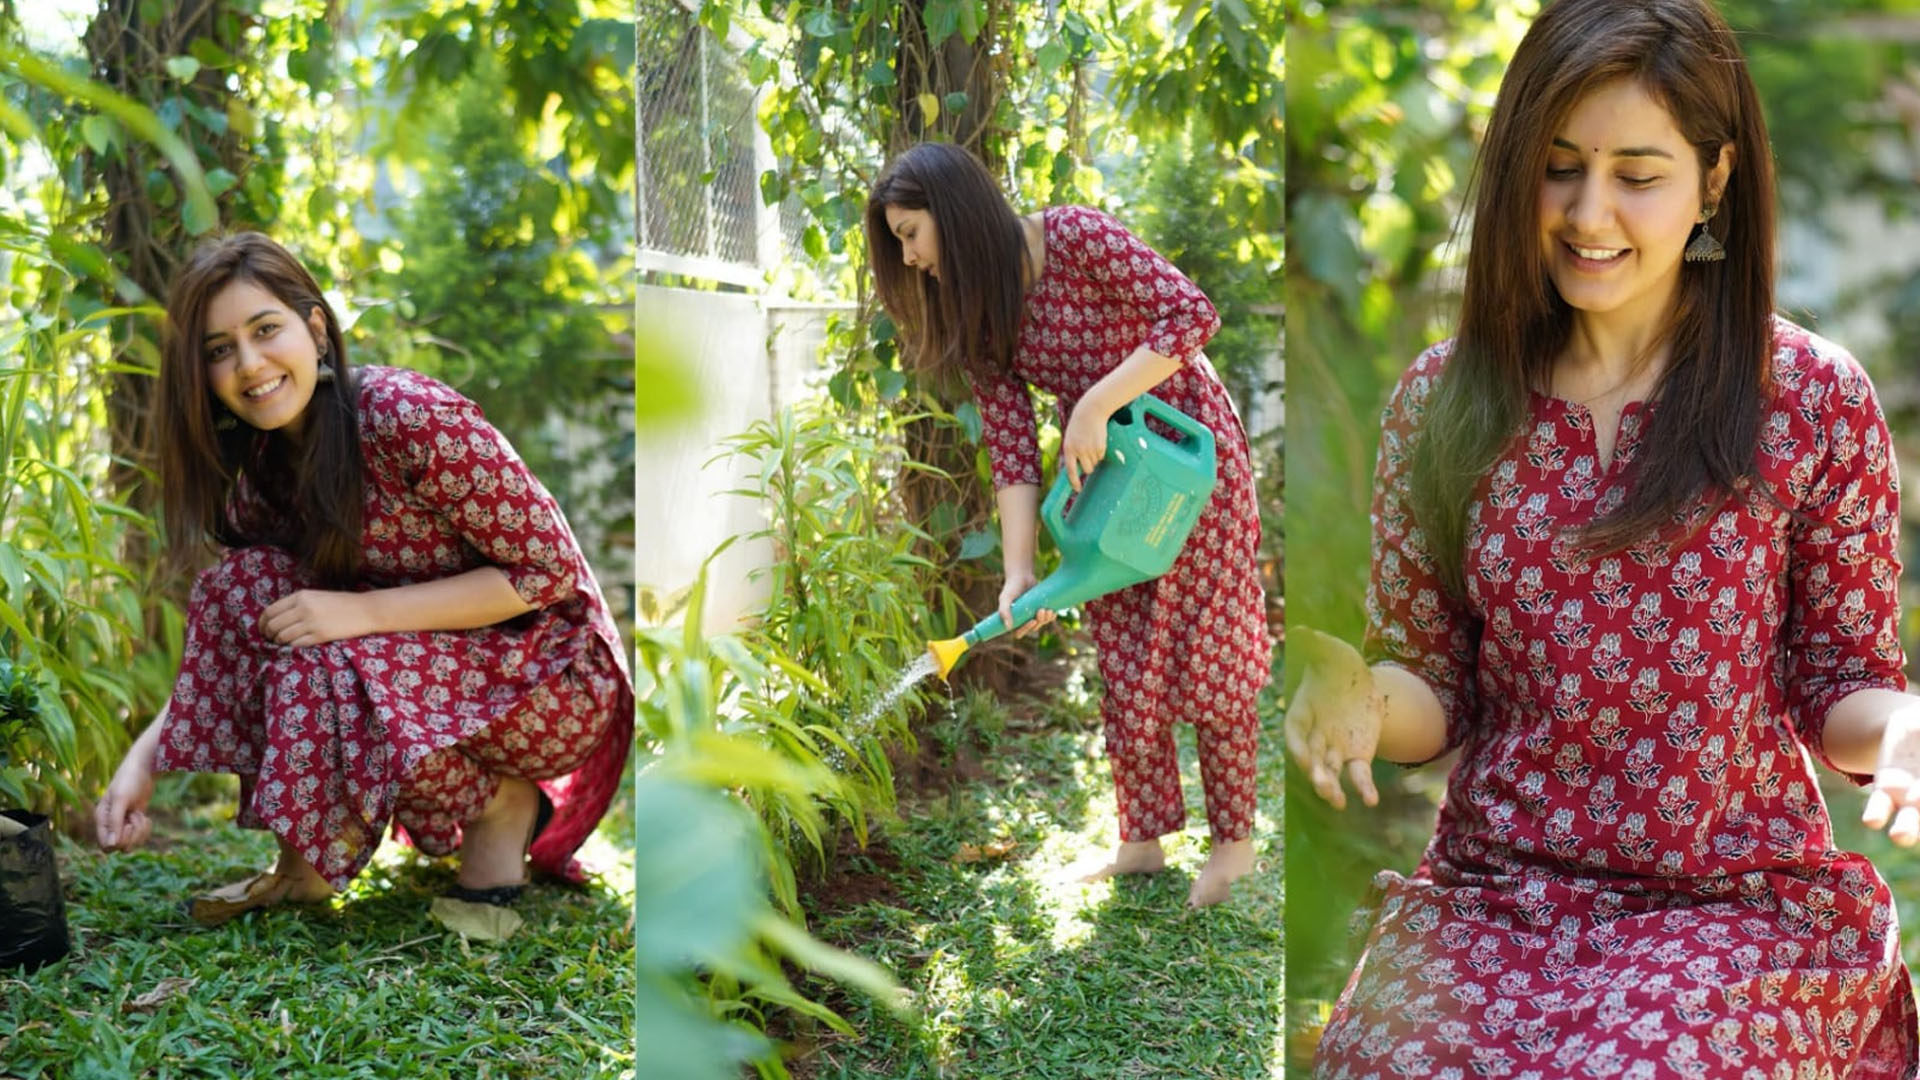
x=370, y=986
x=1018, y=973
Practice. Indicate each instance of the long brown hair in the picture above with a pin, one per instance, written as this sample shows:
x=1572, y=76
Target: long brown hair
x=312, y=491
x=1700, y=443
x=969, y=319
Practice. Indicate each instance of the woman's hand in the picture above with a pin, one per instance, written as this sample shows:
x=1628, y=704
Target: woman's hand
x=1017, y=583
x=1895, y=796
x=1084, y=442
x=1334, y=721
x=315, y=617
x=120, y=817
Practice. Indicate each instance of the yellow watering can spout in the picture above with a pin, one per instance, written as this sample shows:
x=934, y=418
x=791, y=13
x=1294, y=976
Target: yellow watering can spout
x=946, y=653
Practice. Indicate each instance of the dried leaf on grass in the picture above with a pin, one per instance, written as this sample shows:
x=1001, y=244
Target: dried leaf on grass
x=163, y=991
x=486, y=922
x=973, y=853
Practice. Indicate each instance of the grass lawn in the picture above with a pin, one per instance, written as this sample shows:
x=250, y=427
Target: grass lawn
x=1018, y=974
x=370, y=987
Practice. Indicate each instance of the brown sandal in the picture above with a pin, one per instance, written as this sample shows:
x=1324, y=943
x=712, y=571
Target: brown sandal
x=265, y=889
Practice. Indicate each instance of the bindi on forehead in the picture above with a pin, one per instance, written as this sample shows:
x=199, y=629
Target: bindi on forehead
x=1622, y=152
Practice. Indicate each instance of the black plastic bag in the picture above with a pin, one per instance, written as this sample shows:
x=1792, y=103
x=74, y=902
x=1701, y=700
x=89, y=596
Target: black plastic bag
x=33, y=916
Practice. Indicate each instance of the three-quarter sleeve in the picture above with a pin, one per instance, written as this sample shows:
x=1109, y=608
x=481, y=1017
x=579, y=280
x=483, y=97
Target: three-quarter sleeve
x=1100, y=248
x=462, y=468
x=1842, y=633
x=1008, y=428
x=1412, y=621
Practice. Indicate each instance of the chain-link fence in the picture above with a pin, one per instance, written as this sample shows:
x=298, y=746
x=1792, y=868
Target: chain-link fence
x=697, y=175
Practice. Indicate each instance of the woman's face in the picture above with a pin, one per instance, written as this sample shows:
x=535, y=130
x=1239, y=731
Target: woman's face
x=262, y=360
x=919, y=240
x=1618, y=204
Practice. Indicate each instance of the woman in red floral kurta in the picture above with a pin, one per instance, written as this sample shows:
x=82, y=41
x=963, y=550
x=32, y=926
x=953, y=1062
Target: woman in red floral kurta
x=1633, y=872
x=467, y=656
x=1102, y=319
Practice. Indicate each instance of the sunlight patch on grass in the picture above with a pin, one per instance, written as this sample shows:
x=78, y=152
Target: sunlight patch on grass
x=1020, y=971
x=944, y=998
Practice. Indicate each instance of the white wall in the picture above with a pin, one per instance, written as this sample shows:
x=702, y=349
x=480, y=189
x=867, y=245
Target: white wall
x=681, y=515
x=751, y=356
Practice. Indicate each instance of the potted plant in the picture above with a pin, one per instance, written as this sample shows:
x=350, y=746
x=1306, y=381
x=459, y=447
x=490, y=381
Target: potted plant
x=33, y=917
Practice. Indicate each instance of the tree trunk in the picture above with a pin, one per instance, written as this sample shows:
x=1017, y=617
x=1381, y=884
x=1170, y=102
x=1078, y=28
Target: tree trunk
x=147, y=240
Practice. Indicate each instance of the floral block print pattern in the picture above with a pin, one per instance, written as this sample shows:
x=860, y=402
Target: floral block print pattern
x=1633, y=874
x=327, y=740
x=1189, y=645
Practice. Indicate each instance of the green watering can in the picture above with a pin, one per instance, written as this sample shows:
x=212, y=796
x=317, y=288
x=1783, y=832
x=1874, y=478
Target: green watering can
x=1127, y=526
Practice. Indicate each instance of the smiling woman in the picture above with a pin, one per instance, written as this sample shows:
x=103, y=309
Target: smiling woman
x=400, y=628
x=261, y=374
x=1635, y=560
x=1623, y=189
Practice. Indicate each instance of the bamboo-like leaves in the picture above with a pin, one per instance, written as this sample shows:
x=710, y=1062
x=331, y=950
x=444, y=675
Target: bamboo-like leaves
x=786, y=718
x=70, y=611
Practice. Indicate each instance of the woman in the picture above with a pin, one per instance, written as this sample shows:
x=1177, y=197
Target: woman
x=400, y=627
x=1634, y=555
x=1069, y=301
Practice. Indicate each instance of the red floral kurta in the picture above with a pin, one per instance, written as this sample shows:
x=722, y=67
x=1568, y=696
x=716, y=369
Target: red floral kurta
x=1189, y=645
x=1633, y=874
x=333, y=741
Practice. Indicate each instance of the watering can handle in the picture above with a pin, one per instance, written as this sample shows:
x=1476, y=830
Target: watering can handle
x=1198, y=441
x=1197, y=438
x=1053, y=510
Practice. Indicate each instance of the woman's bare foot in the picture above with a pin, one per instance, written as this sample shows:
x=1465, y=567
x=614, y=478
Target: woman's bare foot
x=1133, y=857
x=1230, y=861
x=305, y=885
x=493, y=846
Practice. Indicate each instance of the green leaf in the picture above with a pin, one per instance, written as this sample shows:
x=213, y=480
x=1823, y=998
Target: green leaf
x=716, y=18
x=942, y=19
x=955, y=101
x=209, y=54
x=1325, y=237
x=137, y=118
x=17, y=123
x=183, y=68
x=219, y=181
x=979, y=543
x=668, y=390
x=823, y=23
x=968, y=415
x=970, y=13
x=880, y=73
x=99, y=132
x=840, y=387
x=199, y=217
x=683, y=1041
x=845, y=967
x=772, y=187
x=1053, y=55
x=697, y=890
